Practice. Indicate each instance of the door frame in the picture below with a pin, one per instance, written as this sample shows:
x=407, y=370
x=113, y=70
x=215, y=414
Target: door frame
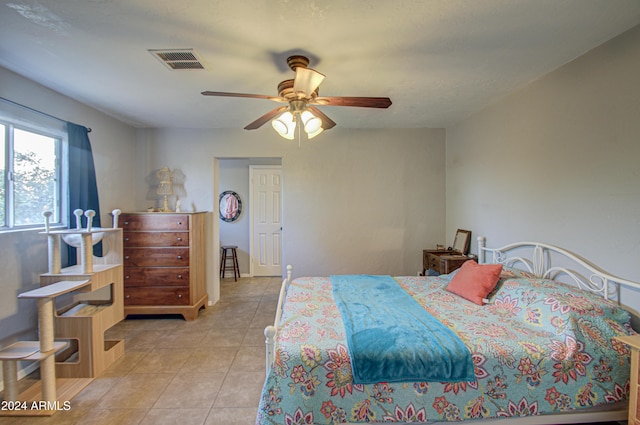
x=213, y=238
x=251, y=231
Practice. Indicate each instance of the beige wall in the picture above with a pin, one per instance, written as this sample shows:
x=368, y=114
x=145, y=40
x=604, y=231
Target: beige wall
x=558, y=162
x=355, y=201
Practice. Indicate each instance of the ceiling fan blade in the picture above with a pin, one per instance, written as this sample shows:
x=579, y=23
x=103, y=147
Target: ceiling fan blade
x=266, y=117
x=247, y=95
x=327, y=122
x=306, y=81
x=363, y=102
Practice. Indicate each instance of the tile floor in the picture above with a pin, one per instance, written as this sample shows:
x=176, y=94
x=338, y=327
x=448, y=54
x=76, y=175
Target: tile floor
x=205, y=372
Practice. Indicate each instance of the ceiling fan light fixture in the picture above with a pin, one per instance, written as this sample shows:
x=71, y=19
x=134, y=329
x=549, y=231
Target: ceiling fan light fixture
x=315, y=133
x=307, y=81
x=285, y=125
x=311, y=122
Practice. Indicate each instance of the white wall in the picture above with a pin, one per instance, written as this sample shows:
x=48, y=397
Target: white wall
x=558, y=162
x=365, y=201
x=23, y=255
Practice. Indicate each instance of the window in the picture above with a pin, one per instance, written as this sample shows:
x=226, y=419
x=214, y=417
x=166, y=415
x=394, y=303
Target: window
x=31, y=163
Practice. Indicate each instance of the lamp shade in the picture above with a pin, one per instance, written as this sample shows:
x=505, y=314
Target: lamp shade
x=165, y=178
x=311, y=122
x=285, y=125
x=314, y=134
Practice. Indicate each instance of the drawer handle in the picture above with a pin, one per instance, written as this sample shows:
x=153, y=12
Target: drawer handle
x=179, y=223
x=179, y=296
x=126, y=257
x=179, y=276
x=127, y=296
x=126, y=239
x=179, y=257
x=126, y=277
x=179, y=239
x=126, y=223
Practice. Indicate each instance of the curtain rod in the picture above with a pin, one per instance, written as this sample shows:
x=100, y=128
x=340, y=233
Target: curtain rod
x=39, y=112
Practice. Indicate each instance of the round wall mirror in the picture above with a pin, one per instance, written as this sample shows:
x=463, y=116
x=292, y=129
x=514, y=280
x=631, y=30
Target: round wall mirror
x=230, y=206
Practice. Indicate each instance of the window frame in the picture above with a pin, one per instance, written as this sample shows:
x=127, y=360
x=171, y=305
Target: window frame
x=59, y=217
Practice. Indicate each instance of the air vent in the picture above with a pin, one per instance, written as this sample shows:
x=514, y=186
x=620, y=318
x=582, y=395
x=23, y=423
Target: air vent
x=178, y=59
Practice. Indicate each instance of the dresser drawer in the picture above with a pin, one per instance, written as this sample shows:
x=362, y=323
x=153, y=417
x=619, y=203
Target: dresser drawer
x=434, y=263
x=431, y=258
x=156, y=257
x=443, y=262
x=156, y=276
x=143, y=239
x=164, y=222
x=154, y=295
x=164, y=262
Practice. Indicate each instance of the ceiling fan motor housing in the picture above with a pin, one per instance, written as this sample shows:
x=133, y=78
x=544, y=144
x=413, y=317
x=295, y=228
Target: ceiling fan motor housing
x=297, y=106
x=296, y=61
x=285, y=90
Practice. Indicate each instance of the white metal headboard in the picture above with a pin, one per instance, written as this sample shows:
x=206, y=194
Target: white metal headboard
x=549, y=262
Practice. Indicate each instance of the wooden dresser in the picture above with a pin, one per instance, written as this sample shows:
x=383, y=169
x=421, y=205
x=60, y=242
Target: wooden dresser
x=442, y=261
x=164, y=263
x=633, y=341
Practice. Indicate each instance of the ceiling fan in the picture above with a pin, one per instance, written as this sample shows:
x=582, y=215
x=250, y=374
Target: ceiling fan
x=301, y=95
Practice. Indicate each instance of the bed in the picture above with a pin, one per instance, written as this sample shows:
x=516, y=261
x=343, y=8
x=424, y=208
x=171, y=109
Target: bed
x=541, y=344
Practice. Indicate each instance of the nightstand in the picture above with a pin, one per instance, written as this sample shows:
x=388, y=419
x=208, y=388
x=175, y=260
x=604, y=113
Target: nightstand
x=633, y=341
x=442, y=261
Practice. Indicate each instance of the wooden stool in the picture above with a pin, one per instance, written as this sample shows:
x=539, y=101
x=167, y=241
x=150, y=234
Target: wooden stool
x=224, y=266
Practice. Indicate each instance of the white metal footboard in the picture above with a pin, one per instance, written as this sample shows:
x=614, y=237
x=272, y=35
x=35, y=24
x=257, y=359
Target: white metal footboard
x=270, y=331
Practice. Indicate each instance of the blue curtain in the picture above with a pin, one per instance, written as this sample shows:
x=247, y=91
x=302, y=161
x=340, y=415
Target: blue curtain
x=83, y=186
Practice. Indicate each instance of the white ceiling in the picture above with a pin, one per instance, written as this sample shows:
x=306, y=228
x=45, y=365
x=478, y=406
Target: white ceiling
x=438, y=60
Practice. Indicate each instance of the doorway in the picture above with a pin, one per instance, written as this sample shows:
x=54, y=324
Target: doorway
x=234, y=174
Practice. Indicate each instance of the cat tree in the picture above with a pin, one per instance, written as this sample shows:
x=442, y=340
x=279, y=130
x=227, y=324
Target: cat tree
x=92, y=294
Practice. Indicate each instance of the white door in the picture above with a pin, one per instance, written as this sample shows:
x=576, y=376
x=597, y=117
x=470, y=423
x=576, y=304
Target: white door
x=266, y=220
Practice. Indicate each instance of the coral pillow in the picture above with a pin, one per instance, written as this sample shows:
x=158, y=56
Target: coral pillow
x=475, y=281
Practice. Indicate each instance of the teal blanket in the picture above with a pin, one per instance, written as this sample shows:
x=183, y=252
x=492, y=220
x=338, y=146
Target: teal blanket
x=391, y=338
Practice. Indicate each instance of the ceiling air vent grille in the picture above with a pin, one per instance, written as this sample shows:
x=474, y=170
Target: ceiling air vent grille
x=178, y=59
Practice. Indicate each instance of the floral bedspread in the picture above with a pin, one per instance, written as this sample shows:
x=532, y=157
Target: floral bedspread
x=538, y=347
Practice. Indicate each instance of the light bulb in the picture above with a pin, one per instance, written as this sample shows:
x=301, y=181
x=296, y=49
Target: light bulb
x=311, y=122
x=284, y=125
x=314, y=134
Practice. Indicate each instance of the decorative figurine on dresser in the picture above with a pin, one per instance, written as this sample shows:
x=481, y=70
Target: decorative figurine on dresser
x=164, y=263
x=444, y=261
